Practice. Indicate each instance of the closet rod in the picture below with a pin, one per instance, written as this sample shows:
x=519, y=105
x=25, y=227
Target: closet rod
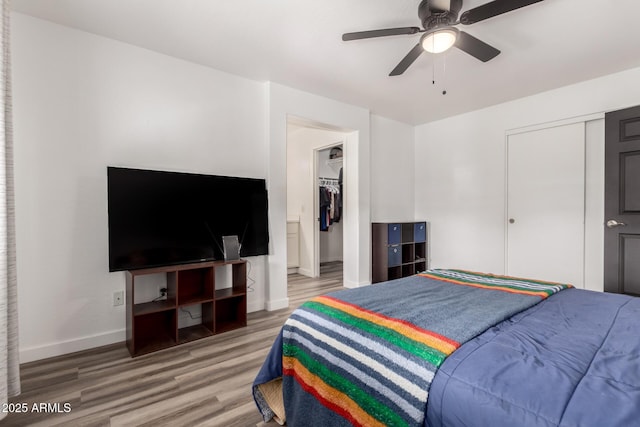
x=328, y=182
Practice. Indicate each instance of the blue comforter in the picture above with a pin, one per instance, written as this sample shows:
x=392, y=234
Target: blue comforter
x=572, y=360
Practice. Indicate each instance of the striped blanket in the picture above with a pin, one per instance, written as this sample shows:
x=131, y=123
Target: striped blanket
x=367, y=356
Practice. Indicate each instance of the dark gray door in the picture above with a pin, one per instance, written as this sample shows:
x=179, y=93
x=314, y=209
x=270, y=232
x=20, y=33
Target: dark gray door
x=622, y=202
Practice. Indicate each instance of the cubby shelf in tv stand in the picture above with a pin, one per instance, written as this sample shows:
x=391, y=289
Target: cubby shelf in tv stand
x=153, y=326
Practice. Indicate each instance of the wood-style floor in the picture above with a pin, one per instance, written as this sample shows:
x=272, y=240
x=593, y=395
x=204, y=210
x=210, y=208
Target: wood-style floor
x=202, y=383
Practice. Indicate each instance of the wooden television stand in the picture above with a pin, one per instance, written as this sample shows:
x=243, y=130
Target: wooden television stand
x=153, y=325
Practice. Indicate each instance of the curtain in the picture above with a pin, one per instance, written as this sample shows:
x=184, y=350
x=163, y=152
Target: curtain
x=9, y=358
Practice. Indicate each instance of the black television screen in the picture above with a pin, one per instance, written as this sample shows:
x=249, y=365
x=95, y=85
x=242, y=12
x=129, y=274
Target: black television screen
x=159, y=218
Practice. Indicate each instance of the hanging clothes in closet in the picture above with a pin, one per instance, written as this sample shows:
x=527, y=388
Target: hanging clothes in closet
x=330, y=202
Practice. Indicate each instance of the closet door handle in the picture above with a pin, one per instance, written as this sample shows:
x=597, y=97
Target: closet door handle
x=612, y=223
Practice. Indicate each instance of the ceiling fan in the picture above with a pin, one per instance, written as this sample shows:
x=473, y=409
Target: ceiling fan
x=439, y=18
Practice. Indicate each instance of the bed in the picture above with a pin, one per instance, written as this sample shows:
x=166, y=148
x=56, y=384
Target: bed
x=456, y=348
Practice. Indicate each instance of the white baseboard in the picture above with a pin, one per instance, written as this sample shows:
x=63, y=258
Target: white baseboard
x=65, y=347
x=351, y=285
x=255, y=306
x=46, y=351
x=305, y=272
x=276, y=305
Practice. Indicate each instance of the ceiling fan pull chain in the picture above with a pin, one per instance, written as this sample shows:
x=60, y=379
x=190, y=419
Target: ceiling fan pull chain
x=433, y=73
x=444, y=72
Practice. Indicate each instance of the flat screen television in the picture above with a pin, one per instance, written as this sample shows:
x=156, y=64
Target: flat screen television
x=159, y=218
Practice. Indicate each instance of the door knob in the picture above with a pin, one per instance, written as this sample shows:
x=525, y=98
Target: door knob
x=612, y=223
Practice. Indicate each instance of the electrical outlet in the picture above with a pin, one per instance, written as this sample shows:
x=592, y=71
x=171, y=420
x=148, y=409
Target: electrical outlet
x=118, y=298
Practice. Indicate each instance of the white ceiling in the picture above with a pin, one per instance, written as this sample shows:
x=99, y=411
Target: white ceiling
x=298, y=43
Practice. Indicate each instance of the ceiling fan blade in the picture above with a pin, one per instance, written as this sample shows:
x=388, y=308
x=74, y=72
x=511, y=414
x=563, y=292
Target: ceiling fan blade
x=475, y=47
x=407, y=60
x=491, y=9
x=380, y=33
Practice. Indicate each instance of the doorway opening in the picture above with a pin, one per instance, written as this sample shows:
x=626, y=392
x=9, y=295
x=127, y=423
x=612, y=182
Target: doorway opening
x=316, y=206
x=329, y=206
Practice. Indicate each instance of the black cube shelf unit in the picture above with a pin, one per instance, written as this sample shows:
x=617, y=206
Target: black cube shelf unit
x=153, y=325
x=399, y=249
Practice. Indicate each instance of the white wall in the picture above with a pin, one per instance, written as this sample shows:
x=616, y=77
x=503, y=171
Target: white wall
x=393, y=181
x=594, y=206
x=83, y=102
x=460, y=169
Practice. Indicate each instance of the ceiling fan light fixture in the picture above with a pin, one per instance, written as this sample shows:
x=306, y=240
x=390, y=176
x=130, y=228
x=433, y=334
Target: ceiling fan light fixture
x=440, y=40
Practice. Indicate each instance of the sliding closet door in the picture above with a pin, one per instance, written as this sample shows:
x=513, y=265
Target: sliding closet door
x=546, y=204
